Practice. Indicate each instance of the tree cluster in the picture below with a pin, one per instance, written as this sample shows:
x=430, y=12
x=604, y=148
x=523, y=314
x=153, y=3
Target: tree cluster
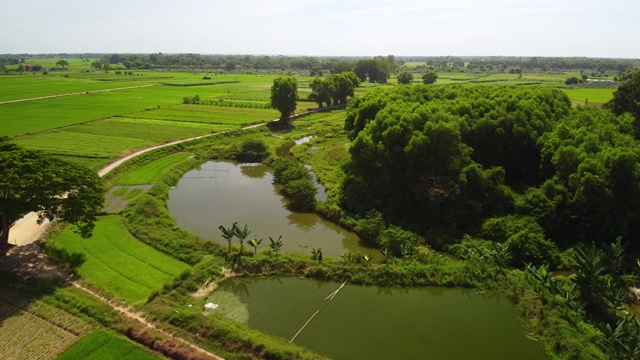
x=297, y=182
x=481, y=160
x=334, y=89
x=376, y=70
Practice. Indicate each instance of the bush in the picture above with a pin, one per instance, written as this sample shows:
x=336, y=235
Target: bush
x=252, y=150
x=371, y=227
x=531, y=247
x=302, y=193
x=286, y=170
x=397, y=241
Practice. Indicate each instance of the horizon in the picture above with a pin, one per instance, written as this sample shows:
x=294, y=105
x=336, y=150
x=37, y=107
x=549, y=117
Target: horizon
x=328, y=28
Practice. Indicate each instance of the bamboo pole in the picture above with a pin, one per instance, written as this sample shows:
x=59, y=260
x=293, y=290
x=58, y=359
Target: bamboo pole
x=330, y=297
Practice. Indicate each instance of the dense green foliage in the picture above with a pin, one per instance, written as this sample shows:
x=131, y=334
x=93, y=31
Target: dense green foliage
x=297, y=183
x=334, y=89
x=34, y=181
x=284, y=96
x=627, y=97
x=405, y=77
x=429, y=77
x=442, y=160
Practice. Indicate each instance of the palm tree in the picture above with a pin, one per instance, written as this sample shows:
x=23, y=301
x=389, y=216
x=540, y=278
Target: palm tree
x=241, y=235
x=228, y=233
x=255, y=243
x=275, y=245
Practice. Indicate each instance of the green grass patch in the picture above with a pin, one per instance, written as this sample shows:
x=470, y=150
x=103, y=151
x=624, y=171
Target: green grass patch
x=595, y=96
x=96, y=143
x=105, y=345
x=148, y=173
x=118, y=263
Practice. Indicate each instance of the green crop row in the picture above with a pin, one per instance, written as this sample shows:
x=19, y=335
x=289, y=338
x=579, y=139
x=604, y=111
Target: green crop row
x=105, y=345
x=118, y=263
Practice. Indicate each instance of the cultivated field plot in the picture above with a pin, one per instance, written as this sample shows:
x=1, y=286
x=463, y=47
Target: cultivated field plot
x=106, y=345
x=209, y=114
x=148, y=173
x=594, y=96
x=31, y=116
x=14, y=87
x=40, y=332
x=118, y=263
x=101, y=141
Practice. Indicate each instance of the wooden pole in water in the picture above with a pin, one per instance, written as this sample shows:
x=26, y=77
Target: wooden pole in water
x=330, y=297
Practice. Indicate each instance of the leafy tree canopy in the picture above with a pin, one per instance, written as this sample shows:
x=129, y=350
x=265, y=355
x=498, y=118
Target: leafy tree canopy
x=627, y=97
x=284, y=96
x=35, y=181
x=447, y=158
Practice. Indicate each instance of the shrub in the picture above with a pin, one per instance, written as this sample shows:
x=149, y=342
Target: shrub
x=252, y=150
x=532, y=247
x=371, y=227
x=302, y=193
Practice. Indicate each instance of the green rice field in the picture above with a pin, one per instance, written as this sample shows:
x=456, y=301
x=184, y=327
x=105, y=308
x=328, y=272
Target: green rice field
x=148, y=173
x=117, y=262
x=595, y=96
x=105, y=345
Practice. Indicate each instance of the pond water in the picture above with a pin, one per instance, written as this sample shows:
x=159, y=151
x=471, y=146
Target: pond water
x=219, y=193
x=365, y=322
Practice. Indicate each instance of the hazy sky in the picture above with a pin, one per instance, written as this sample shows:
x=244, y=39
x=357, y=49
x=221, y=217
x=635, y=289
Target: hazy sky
x=324, y=27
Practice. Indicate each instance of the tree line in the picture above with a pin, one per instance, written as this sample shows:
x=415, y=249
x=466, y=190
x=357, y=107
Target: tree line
x=516, y=165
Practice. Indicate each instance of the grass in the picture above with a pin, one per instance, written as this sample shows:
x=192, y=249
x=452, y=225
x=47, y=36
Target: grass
x=118, y=263
x=148, y=173
x=31, y=86
x=595, y=96
x=96, y=143
x=105, y=345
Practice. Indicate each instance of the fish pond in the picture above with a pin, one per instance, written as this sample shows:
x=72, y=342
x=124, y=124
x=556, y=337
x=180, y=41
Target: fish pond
x=220, y=193
x=366, y=322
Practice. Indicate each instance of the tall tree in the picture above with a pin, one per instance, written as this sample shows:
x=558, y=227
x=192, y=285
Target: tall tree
x=429, y=77
x=321, y=90
x=405, y=77
x=62, y=63
x=627, y=97
x=344, y=85
x=284, y=96
x=34, y=181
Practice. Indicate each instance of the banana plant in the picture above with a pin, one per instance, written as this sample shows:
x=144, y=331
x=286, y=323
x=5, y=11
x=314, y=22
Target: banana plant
x=255, y=242
x=302, y=249
x=347, y=257
x=241, y=234
x=275, y=245
x=228, y=233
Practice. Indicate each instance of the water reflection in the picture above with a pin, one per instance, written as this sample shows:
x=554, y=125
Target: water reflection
x=254, y=171
x=221, y=193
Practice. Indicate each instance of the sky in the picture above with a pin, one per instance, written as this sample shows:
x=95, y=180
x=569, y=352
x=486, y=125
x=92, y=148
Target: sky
x=609, y=29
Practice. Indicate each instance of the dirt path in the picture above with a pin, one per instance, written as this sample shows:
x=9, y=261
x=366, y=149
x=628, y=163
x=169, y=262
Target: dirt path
x=74, y=93
x=130, y=313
